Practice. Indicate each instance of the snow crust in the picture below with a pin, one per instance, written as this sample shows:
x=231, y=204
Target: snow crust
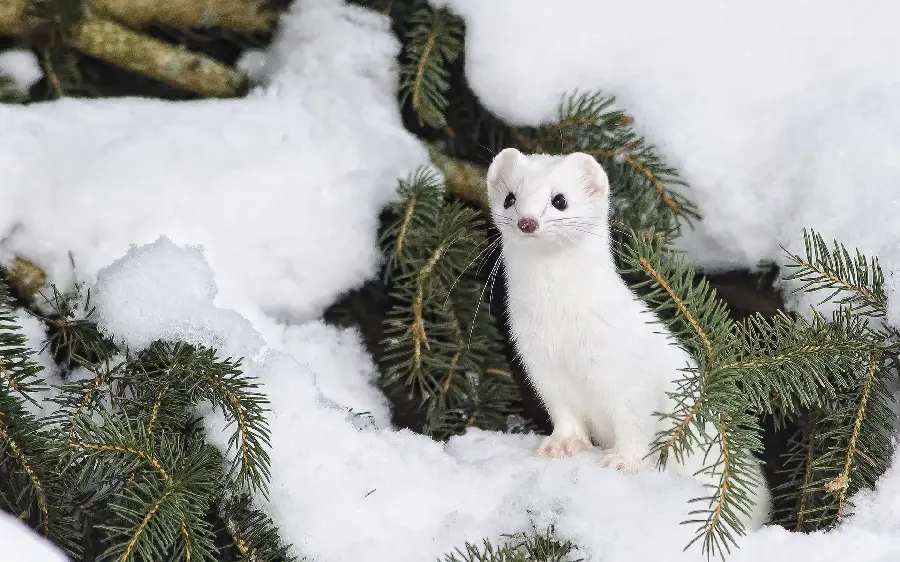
x=344, y=489
x=780, y=115
x=21, y=544
x=283, y=187
x=22, y=66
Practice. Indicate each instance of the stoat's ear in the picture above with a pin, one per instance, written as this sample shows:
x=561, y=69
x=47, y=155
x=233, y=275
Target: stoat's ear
x=502, y=166
x=589, y=172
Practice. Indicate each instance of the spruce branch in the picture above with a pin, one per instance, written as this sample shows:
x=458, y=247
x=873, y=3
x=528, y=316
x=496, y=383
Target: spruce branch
x=438, y=337
x=122, y=466
x=184, y=376
x=30, y=487
x=792, y=364
x=152, y=514
x=710, y=406
x=254, y=534
x=645, y=191
x=841, y=483
x=845, y=444
x=18, y=373
x=73, y=337
x=434, y=41
x=859, y=279
x=519, y=547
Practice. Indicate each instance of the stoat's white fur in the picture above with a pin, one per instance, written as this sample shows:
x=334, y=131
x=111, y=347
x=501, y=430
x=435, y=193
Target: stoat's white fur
x=599, y=358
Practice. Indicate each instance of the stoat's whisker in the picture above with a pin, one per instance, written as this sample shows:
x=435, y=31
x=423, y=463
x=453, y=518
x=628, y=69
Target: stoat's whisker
x=493, y=242
x=481, y=298
x=567, y=237
x=613, y=240
x=496, y=247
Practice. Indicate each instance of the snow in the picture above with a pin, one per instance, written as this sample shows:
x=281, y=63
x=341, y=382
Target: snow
x=233, y=223
x=283, y=188
x=35, y=334
x=155, y=273
x=21, y=544
x=22, y=66
x=408, y=498
x=780, y=115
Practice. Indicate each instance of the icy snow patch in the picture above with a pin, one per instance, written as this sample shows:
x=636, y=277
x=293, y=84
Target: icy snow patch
x=283, y=188
x=345, y=491
x=780, y=115
x=160, y=283
x=21, y=544
x=344, y=370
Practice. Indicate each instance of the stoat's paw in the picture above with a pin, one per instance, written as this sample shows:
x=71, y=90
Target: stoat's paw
x=563, y=446
x=610, y=458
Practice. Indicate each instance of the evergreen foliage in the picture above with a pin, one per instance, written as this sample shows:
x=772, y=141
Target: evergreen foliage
x=29, y=486
x=829, y=373
x=520, y=547
x=435, y=41
x=442, y=347
x=845, y=444
x=9, y=93
x=644, y=191
x=119, y=469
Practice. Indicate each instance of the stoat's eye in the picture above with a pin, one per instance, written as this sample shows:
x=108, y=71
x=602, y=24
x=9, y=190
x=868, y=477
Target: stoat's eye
x=509, y=201
x=559, y=201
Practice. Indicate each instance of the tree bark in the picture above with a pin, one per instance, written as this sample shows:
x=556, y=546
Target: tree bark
x=12, y=17
x=155, y=59
x=239, y=15
x=463, y=180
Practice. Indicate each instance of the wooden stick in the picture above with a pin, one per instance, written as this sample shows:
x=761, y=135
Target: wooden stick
x=12, y=17
x=463, y=180
x=155, y=59
x=249, y=16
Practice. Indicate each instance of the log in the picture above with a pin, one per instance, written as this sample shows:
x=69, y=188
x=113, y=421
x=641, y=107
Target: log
x=25, y=277
x=155, y=59
x=250, y=16
x=139, y=53
x=12, y=17
x=463, y=180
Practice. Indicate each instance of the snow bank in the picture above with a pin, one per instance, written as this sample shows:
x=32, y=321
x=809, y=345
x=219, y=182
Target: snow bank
x=20, y=544
x=22, y=66
x=343, y=490
x=779, y=114
x=156, y=273
x=283, y=187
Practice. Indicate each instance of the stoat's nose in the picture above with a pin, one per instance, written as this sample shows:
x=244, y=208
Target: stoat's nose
x=528, y=225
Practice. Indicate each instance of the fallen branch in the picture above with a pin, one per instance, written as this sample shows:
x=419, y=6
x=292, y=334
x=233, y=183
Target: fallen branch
x=139, y=53
x=462, y=179
x=12, y=17
x=155, y=59
x=249, y=16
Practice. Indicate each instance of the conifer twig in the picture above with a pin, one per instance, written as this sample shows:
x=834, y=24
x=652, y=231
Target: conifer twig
x=841, y=483
x=18, y=454
x=663, y=192
x=435, y=40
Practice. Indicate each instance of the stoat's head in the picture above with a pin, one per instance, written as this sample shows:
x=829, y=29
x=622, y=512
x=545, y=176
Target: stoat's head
x=552, y=202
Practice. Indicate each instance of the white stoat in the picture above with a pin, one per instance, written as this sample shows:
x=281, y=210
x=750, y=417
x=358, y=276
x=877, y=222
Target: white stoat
x=600, y=360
